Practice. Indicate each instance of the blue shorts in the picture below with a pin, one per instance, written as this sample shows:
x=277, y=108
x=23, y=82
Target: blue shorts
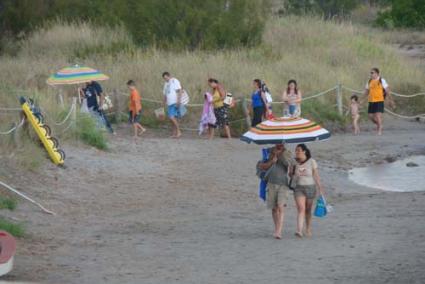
x=176, y=111
x=292, y=109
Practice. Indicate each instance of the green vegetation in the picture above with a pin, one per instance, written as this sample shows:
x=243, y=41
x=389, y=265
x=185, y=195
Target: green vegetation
x=8, y=203
x=89, y=133
x=206, y=24
x=16, y=230
x=327, y=8
x=406, y=13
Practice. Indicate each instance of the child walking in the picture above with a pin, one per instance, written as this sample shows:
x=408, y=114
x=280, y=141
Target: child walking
x=135, y=108
x=355, y=116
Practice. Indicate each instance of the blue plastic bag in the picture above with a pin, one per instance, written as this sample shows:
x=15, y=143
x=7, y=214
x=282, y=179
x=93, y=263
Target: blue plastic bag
x=320, y=210
x=262, y=192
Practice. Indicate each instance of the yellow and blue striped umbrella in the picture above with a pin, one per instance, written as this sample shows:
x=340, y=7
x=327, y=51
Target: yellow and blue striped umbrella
x=76, y=75
x=286, y=130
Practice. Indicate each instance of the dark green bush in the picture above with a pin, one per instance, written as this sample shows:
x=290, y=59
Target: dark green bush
x=406, y=13
x=183, y=24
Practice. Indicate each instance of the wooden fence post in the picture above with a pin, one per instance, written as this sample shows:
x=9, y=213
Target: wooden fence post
x=339, y=101
x=74, y=112
x=116, y=102
x=246, y=112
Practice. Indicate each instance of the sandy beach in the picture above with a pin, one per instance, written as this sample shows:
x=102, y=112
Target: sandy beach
x=187, y=211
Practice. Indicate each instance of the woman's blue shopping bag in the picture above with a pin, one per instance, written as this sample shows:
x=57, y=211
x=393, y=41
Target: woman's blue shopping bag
x=262, y=192
x=320, y=210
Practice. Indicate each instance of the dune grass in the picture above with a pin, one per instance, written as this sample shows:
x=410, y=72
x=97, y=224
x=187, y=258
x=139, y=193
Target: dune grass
x=8, y=203
x=16, y=230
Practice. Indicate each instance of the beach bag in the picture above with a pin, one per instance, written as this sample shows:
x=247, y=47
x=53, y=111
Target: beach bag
x=84, y=108
x=269, y=98
x=228, y=100
x=320, y=210
x=185, y=98
x=160, y=113
x=107, y=103
x=292, y=182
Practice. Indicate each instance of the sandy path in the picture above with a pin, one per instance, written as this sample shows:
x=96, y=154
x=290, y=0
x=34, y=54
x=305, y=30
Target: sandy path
x=167, y=211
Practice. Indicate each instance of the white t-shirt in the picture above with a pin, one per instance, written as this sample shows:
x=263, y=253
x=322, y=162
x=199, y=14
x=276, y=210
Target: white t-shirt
x=384, y=83
x=171, y=90
x=304, y=172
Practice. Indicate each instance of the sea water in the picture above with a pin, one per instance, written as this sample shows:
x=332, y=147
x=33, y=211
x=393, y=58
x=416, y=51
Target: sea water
x=396, y=176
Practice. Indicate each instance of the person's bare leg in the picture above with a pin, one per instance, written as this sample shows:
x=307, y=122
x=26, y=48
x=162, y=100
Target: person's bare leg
x=356, y=125
x=275, y=220
x=300, y=202
x=142, y=129
x=308, y=208
x=372, y=117
x=135, y=130
x=210, y=133
x=378, y=118
x=176, y=129
x=279, y=220
x=227, y=131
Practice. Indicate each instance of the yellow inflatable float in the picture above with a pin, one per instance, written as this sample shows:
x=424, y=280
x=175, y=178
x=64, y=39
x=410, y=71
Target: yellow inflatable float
x=43, y=131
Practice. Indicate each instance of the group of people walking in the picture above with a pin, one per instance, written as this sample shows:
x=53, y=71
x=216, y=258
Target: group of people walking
x=217, y=102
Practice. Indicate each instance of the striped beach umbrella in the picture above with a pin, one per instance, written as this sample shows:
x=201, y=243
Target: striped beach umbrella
x=76, y=75
x=286, y=130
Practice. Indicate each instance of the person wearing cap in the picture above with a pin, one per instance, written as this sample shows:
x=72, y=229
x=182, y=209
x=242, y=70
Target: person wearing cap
x=277, y=167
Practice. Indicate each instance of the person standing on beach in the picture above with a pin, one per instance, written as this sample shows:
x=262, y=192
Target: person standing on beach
x=220, y=109
x=355, y=116
x=135, y=108
x=259, y=103
x=292, y=96
x=90, y=93
x=173, y=93
x=377, y=90
x=307, y=187
x=277, y=167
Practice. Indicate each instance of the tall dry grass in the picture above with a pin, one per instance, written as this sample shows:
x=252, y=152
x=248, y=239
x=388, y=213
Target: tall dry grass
x=317, y=53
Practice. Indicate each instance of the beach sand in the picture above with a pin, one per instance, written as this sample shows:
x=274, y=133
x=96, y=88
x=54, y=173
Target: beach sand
x=187, y=211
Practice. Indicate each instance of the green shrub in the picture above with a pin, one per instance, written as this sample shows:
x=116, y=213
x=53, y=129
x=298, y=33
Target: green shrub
x=406, y=13
x=8, y=203
x=16, y=230
x=325, y=114
x=89, y=133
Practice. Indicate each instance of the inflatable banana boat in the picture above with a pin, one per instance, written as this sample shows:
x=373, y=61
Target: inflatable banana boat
x=51, y=144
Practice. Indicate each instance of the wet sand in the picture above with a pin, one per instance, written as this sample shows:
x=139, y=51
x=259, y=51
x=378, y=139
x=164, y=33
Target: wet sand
x=187, y=211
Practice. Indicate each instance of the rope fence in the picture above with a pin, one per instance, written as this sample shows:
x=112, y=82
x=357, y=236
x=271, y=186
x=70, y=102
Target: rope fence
x=335, y=89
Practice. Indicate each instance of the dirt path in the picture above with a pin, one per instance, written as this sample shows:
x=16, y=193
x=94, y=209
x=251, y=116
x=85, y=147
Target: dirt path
x=187, y=211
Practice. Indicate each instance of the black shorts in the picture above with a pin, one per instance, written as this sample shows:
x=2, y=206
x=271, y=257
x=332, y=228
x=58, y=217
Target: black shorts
x=136, y=118
x=376, y=107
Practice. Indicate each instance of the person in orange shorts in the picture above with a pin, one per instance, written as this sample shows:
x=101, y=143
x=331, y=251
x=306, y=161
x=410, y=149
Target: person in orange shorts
x=135, y=108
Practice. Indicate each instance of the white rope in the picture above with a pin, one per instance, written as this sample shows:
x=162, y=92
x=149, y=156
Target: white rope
x=67, y=128
x=320, y=94
x=13, y=128
x=27, y=198
x=407, y=96
x=352, y=90
x=66, y=117
x=392, y=93
x=405, y=116
x=10, y=109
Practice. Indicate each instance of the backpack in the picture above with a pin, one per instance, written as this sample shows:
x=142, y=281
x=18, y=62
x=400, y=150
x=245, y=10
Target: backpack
x=265, y=89
x=383, y=89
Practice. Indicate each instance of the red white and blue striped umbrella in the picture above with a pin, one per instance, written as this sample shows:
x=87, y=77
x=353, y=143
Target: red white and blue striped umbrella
x=76, y=75
x=286, y=130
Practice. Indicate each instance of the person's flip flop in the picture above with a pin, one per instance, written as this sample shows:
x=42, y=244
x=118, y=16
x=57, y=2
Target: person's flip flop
x=299, y=235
